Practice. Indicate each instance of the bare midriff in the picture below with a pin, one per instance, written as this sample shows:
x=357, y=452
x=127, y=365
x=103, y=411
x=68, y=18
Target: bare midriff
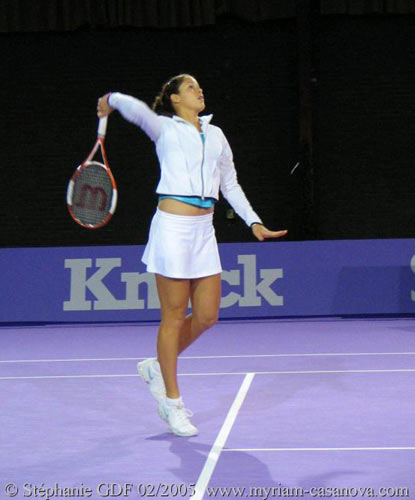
x=179, y=208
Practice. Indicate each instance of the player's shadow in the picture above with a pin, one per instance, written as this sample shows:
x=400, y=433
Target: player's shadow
x=243, y=470
x=234, y=469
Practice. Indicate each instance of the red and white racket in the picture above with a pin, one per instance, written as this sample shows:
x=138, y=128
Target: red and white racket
x=92, y=193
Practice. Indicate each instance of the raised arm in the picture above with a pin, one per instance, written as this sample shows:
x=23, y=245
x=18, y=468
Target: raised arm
x=133, y=110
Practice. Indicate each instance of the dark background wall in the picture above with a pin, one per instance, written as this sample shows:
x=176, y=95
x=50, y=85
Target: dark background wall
x=362, y=118
x=366, y=122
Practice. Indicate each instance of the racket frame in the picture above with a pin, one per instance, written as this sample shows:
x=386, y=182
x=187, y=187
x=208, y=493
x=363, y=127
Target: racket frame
x=99, y=144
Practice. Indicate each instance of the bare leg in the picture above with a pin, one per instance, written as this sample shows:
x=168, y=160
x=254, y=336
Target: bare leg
x=174, y=296
x=205, y=296
x=176, y=331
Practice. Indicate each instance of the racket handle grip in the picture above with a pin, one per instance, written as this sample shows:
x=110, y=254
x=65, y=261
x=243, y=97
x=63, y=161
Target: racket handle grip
x=102, y=126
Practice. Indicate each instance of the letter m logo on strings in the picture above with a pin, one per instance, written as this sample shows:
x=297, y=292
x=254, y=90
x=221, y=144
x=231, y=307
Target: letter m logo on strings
x=89, y=197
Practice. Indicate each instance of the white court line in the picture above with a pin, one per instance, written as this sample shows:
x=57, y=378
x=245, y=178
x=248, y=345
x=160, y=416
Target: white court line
x=373, y=448
x=303, y=372
x=66, y=360
x=288, y=372
x=70, y=376
x=220, y=441
x=280, y=355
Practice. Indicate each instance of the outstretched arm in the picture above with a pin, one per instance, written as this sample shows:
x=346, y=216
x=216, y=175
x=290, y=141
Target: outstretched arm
x=133, y=110
x=236, y=197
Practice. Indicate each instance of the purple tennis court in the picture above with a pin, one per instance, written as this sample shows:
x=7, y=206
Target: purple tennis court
x=282, y=406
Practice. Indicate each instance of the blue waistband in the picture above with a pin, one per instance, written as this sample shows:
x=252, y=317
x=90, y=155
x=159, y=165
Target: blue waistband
x=191, y=200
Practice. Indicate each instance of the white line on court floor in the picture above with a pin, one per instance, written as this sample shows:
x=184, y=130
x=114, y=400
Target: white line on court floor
x=304, y=372
x=373, y=448
x=220, y=441
x=279, y=355
x=298, y=372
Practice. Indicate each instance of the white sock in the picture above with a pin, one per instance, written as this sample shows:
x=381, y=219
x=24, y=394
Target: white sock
x=174, y=401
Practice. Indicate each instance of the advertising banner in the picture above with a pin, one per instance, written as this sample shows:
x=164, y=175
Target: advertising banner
x=272, y=279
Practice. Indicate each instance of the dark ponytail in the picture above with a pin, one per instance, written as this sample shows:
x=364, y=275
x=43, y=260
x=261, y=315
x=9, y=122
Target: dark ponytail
x=162, y=104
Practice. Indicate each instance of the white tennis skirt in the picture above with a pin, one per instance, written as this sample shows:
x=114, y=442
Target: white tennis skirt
x=182, y=246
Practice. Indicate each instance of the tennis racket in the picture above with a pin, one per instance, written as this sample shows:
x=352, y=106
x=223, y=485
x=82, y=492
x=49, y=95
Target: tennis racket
x=92, y=193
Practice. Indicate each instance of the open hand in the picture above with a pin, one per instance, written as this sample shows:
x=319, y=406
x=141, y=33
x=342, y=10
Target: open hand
x=262, y=233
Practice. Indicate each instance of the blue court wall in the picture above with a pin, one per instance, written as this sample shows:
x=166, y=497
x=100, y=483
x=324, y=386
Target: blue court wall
x=272, y=279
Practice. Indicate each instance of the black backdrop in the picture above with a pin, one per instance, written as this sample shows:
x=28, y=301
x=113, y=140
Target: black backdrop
x=365, y=178
x=363, y=121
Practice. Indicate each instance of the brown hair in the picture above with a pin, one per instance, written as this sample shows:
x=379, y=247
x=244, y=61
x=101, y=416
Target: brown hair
x=162, y=104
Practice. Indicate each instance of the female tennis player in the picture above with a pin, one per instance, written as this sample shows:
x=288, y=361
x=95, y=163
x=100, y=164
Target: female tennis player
x=195, y=160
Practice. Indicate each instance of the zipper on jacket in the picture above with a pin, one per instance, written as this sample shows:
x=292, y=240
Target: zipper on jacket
x=203, y=138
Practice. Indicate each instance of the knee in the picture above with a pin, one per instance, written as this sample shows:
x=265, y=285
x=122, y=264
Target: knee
x=206, y=321
x=174, y=318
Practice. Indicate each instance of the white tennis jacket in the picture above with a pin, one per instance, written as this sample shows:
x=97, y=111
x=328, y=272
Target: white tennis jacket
x=189, y=166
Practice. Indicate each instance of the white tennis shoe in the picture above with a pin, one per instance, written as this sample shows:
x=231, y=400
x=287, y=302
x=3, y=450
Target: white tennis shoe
x=177, y=418
x=152, y=376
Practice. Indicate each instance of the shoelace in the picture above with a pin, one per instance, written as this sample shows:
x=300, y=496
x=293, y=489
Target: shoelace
x=184, y=413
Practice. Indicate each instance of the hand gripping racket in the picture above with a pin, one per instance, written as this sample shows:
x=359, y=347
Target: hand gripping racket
x=92, y=193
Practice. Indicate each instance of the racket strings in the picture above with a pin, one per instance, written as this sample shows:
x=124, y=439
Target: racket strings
x=92, y=194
